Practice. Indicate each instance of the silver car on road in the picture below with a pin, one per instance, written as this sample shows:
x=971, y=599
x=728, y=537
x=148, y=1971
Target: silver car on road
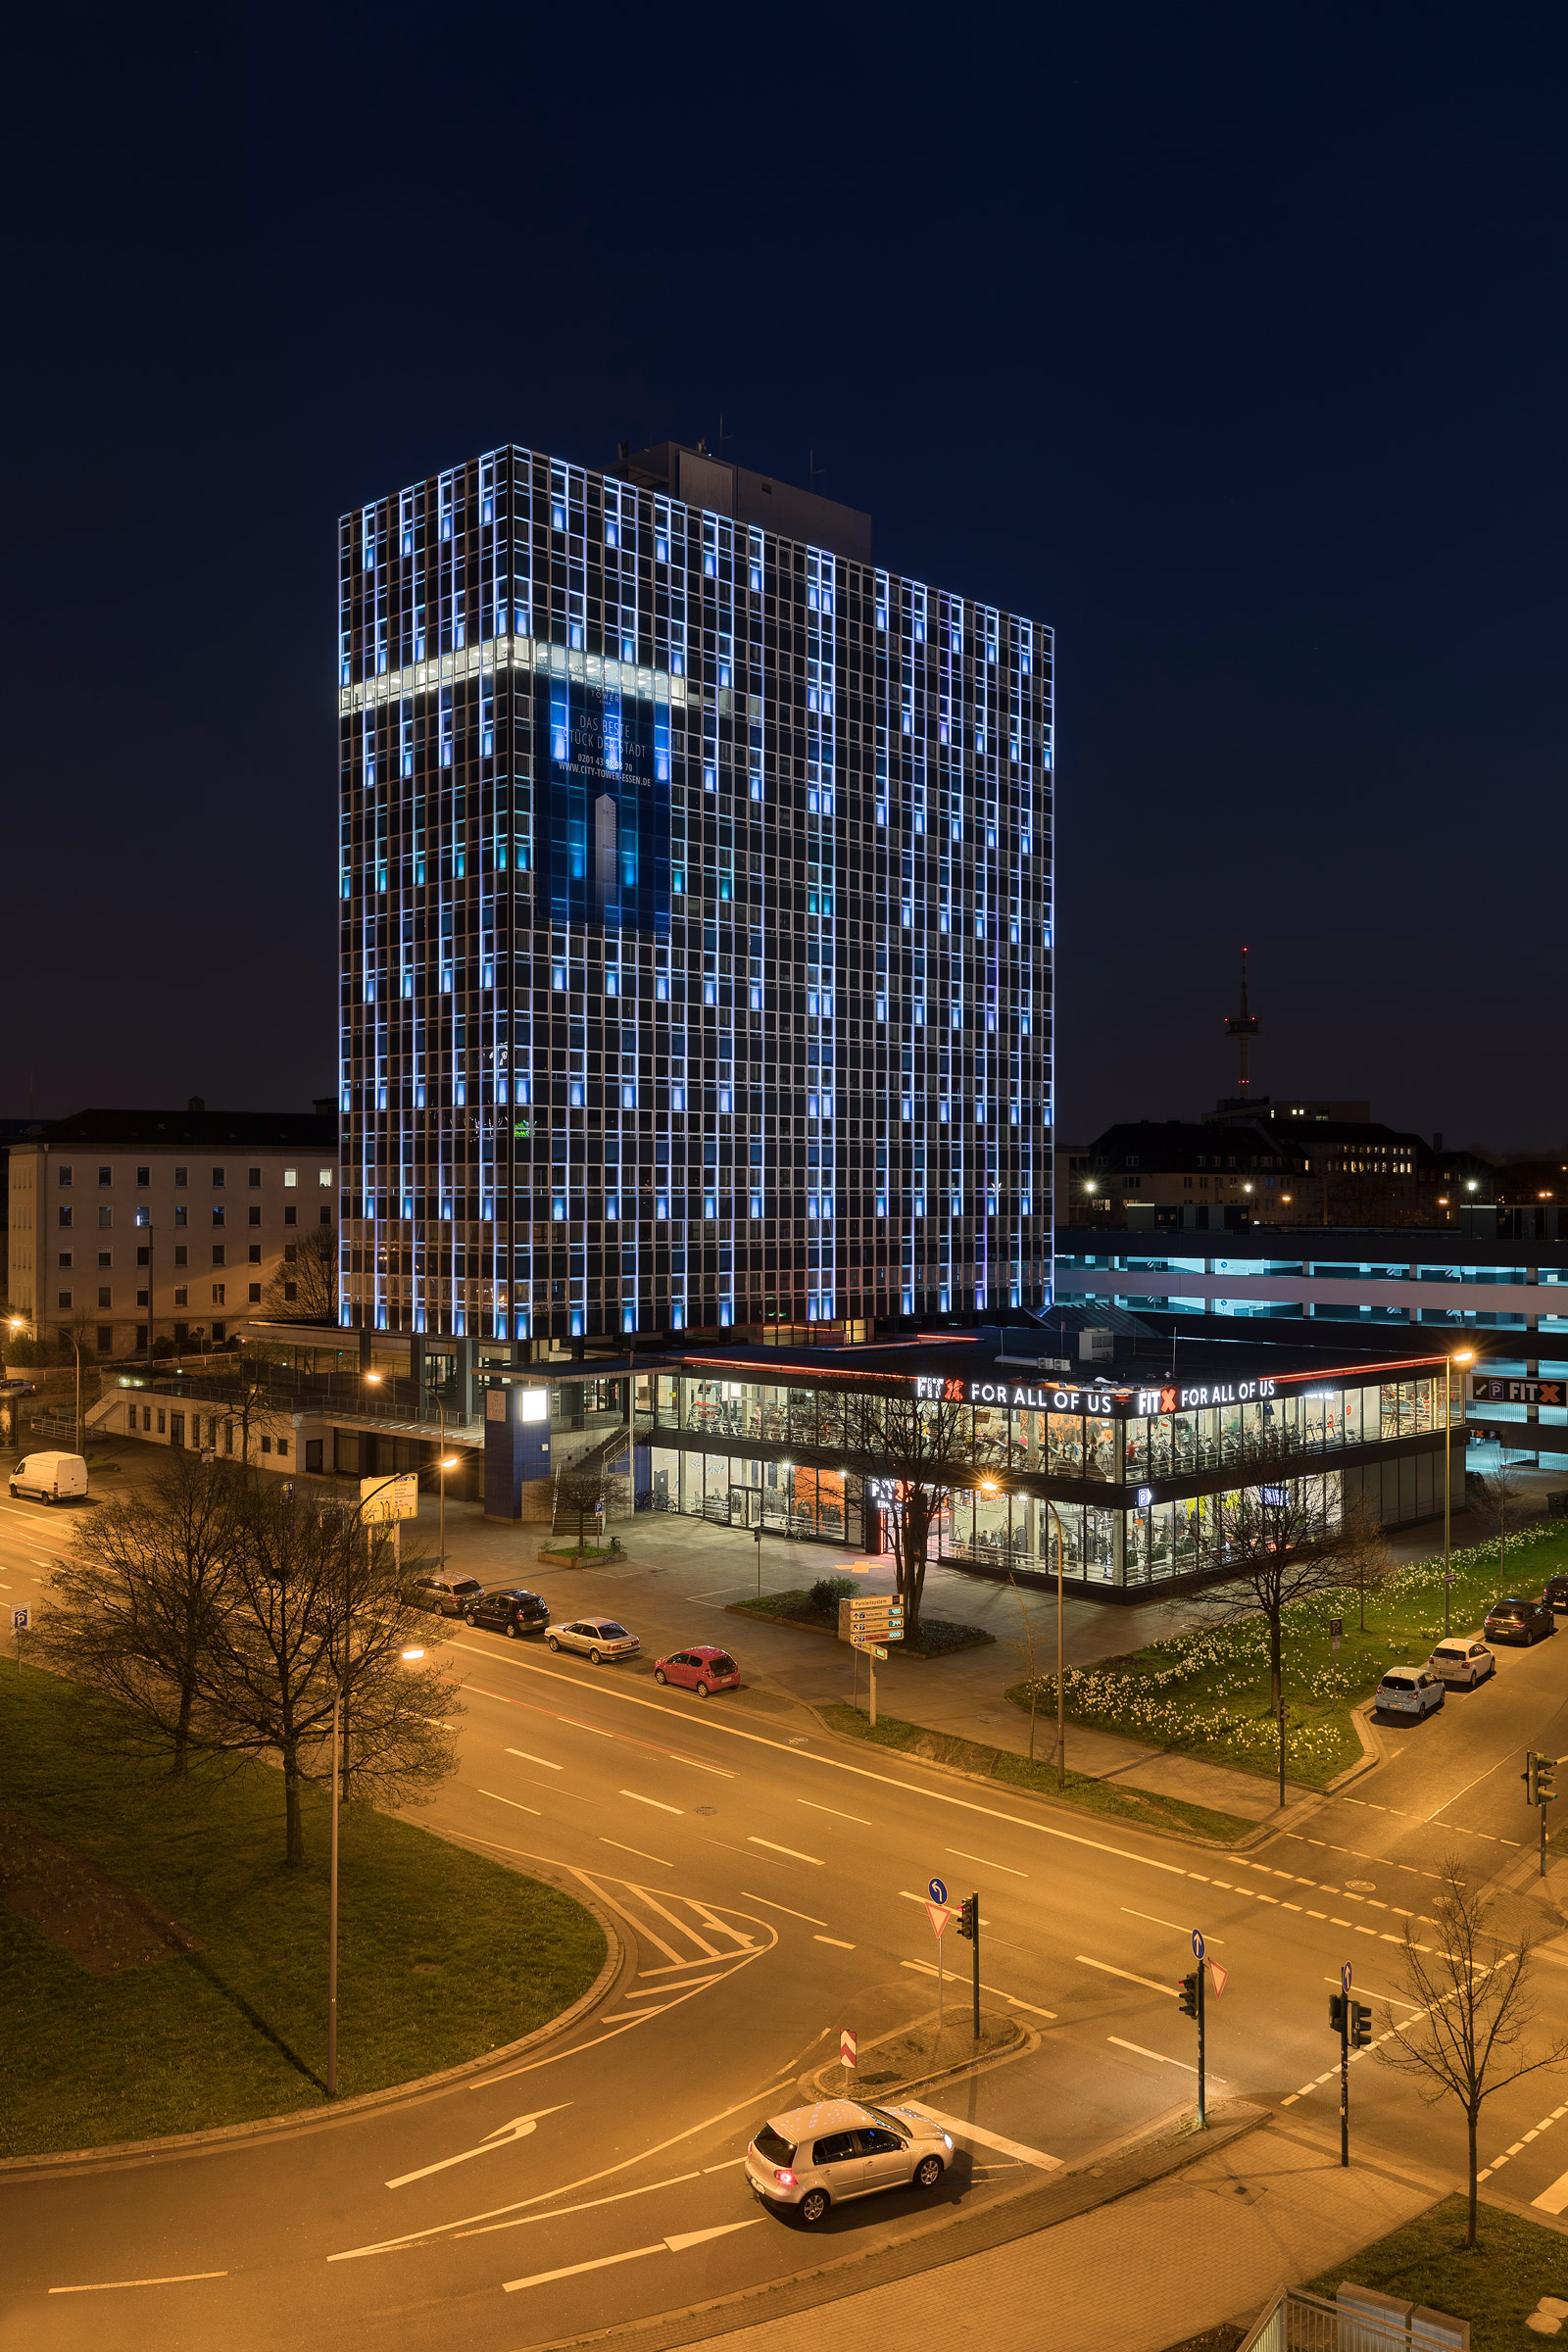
x=595, y=1637
x=815, y=2157
x=1409, y=1691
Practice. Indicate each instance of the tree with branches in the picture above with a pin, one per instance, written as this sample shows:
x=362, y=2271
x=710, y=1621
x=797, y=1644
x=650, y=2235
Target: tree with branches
x=1366, y=1561
x=580, y=1493
x=922, y=1448
x=1501, y=1493
x=304, y=1287
x=317, y=1612
x=133, y=1612
x=1474, y=2012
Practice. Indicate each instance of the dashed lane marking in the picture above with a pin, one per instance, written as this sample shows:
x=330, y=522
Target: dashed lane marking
x=837, y=1941
x=638, y=1799
x=1084, y=1961
x=601, y=2262
x=1158, y=2056
x=794, y=1852
x=784, y=1907
x=112, y=2286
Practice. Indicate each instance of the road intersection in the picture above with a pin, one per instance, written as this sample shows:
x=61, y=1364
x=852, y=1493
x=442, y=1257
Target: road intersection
x=767, y=1882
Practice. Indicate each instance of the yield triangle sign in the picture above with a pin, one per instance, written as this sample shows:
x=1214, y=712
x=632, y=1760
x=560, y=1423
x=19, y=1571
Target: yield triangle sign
x=938, y=1916
x=1218, y=1977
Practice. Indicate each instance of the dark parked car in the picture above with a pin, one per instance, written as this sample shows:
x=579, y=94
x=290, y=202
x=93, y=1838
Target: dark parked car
x=1556, y=1592
x=1516, y=1620
x=448, y=1596
x=508, y=1610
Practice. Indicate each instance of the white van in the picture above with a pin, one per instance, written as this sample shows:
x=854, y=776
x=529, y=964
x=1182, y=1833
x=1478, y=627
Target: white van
x=51, y=1476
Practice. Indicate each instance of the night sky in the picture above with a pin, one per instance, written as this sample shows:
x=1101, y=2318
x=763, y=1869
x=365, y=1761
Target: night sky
x=1228, y=340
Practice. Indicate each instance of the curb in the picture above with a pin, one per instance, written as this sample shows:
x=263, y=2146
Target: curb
x=698, y=2322
x=1056, y=1804
x=224, y=2136
x=1028, y=2041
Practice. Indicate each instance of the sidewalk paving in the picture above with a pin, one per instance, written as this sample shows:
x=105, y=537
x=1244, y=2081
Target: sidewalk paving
x=1207, y=2245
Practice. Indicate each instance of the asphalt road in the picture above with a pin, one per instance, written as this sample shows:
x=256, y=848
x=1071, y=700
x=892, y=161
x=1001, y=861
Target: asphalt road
x=769, y=1883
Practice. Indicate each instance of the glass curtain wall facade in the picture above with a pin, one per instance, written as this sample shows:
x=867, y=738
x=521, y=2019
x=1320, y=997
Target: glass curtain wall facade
x=696, y=904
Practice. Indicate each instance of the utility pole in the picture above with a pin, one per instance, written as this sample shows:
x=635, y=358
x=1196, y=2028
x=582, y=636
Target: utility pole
x=1191, y=2003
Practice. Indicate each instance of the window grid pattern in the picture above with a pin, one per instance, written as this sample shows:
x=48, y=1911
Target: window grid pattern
x=822, y=1089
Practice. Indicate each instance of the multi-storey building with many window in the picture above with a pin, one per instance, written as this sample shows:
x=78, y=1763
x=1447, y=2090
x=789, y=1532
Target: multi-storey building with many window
x=696, y=897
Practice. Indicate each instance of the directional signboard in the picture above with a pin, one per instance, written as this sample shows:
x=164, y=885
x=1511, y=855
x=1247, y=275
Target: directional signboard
x=387, y=1499
x=870, y=1649
x=937, y=1891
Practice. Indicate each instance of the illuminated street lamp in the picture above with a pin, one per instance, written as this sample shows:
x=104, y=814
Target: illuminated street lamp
x=1460, y=1355
x=444, y=1463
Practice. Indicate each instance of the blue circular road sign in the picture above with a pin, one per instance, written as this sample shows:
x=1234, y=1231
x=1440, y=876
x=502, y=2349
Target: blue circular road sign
x=937, y=1891
x=1198, y=1944
x=1344, y=1977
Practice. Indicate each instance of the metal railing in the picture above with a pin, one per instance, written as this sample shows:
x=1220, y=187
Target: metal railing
x=1298, y=2322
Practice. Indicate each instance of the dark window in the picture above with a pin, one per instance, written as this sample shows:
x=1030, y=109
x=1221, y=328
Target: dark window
x=291, y=1290
x=105, y=1216
x=105, y=1176
x=181, y=1297
x=290, y=1254
x=256, y=1176
x=256, y=1293
x=219, y=1330
x=218, y=1179
x=181, y=1175
x=144, y=1177
x=217, y=1254
x=64, y=1297
x=181, y=1214
x=255, y=1216
x=106, y=1339
x=106, y=1258
x=65, y=1257
x=105, y=1298
x=291, y=1216
x=773, y=2148
x=327, y=1217
x=65, y=1176
x=218, y=1216
x=837, y=2148
x=181, y=1256
x=65, y=1214
x=254, y=1253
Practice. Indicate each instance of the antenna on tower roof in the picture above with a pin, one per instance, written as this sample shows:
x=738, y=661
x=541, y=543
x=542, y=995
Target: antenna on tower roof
x=1243, y=1026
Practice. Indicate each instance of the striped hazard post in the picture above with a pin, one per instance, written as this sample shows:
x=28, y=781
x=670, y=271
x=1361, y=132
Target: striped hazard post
x=847, y=2048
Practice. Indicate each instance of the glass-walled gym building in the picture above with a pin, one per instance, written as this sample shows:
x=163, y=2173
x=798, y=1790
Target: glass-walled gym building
x=695, y=887
x=1134, y=1467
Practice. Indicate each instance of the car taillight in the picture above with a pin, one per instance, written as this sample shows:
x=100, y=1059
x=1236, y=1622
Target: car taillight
x=784, y=2180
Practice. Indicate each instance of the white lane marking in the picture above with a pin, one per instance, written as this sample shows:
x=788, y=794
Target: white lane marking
x=651, y=1800
x=589, y=2204
x=985, y=2139
x=1170, y=1923
x=642, y=1857
x=531, y=1759
x=1139, y=2050
x=521, y=2126
x=726, y=2166
x=719, y=1771
x=1084, y=1961
x=837, y=1814
x=512, y=1802
x=859, y=1772
x=622, y=2017
x=986, y=1862
x=665, y=2245
x=837, y=1941
x=718, y=1590
x=585, y=1727
x=793, y=1851
x=1554, y=2198
x=954, y=1975
x=809, y=1916
x=1392, y=1999
x=682, y=1927
x=111, y=2286
x=685, y=1984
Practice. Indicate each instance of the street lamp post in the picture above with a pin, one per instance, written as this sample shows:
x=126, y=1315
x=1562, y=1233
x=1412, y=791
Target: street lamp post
x=1460, y=1355
x=410, y=1657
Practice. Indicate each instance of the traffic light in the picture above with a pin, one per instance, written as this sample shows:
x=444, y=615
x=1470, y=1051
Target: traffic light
x=1545, y=1778
x=969, y=1918
x=1529, y=1777
x=1189, y=1995
x=1336, y=2011
x=1360, y=2026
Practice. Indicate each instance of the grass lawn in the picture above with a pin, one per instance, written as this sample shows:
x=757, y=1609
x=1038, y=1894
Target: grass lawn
x=1143, y=1805
x=937, y=1635
x=1206, y=1692
x=443, y=1954
x=1495, y=2287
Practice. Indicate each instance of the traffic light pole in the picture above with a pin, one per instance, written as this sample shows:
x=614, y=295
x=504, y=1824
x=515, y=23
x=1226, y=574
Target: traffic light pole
x=1203, y=2103
x=977, y=1968
x=1344, y=2082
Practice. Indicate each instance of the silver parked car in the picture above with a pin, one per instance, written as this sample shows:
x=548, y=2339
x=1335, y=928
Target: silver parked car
x=1462, y=1662
x=815, y=2157
x=595, y=1639
x=1409, y=1691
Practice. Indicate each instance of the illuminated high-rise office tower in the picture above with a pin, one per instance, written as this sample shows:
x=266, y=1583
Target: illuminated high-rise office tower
x=696, y=898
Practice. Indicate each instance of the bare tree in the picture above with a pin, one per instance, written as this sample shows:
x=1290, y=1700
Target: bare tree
x=1364, y=1558
x=316, y=1608
x=133, y=1614
x=304, y=1289
x=1501, y=1493
x=1468, y=2042
x=922, y=1447
x=580, y=1492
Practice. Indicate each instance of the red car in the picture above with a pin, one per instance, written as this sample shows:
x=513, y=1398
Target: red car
x=701, y=1670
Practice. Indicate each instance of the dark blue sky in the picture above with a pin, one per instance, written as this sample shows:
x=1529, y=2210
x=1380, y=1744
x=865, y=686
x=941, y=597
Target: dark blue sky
x=1228, y=339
